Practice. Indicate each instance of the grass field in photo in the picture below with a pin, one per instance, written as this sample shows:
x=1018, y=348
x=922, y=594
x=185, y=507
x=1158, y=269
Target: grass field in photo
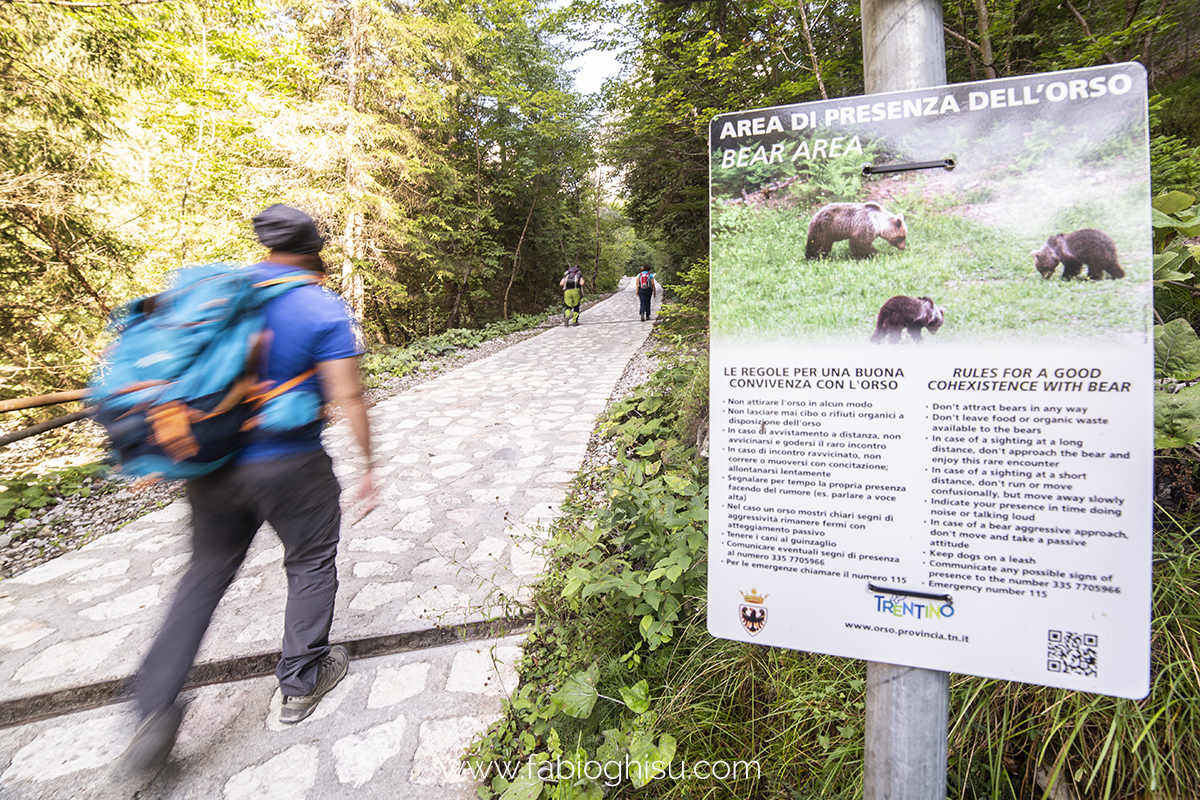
x=969, y=249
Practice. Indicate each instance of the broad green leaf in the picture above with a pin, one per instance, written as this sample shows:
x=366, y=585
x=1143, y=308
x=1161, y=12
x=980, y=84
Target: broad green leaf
x=629, y=586
x=637, y=697
x=1161, y=220
x=595, y=587
x=653, y=759
x=1172, y=202
x=613, y=746
x=650, y=405
x=1176, y=351
x=1166, y=266
x=1167, y=260
x=527, y=786
x=586, y=790
x=679, y=485
x=577, y=697
x=1176, y=418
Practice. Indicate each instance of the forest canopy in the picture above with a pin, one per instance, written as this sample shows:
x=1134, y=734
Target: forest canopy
x=438, y=145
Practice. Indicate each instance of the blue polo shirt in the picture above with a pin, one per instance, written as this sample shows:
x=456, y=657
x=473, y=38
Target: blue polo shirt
x=308, y=325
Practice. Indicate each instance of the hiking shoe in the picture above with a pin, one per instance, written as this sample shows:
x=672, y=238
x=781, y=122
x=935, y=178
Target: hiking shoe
x=332, y=670
x=154, y=739
x=576, y=322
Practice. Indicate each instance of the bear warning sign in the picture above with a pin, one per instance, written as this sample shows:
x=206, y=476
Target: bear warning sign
x=932, y=367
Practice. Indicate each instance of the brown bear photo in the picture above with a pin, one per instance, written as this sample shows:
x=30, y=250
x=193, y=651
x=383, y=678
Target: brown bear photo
x=1073, y=250
x=902, y=313
x=858, y=222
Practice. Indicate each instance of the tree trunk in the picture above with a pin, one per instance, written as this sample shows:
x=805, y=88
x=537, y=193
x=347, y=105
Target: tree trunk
x=517, y=252
x=812, y=53
x=985, y=39
x=475, y=241
x=596, y=268
x=352, y=239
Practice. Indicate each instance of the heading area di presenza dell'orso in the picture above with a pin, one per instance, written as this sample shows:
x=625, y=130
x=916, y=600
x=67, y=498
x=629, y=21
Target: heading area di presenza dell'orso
x=730, y=131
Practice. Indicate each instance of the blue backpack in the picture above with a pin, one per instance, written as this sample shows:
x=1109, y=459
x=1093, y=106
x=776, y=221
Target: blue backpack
x=178, y=391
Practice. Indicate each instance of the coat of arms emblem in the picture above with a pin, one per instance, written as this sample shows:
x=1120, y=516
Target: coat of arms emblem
x=752, y=612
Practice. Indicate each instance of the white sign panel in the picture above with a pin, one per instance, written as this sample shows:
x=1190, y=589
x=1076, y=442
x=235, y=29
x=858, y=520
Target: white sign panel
x=931, y=410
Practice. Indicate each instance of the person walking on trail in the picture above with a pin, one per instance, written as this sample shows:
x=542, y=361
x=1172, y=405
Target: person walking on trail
x=647, y=288
x=286, y=480
x=572, y=284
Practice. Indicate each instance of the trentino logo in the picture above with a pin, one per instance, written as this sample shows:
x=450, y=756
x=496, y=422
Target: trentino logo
x=901, y=607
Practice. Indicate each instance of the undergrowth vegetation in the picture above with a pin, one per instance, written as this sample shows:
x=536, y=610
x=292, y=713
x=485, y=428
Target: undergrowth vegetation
x=396, y=362
x=23, y=495
x=624, y=693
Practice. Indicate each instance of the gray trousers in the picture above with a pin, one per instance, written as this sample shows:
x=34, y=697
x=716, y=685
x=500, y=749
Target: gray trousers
x=298, y=495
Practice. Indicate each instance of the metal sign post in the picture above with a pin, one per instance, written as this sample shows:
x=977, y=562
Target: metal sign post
x=907, y=713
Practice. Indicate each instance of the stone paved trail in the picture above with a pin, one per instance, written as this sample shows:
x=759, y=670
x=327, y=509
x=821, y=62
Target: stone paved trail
x=473, y=466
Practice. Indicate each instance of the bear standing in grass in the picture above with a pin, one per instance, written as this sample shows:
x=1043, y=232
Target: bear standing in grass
x=902, y=313
x=1088, y=246
x=858, y=222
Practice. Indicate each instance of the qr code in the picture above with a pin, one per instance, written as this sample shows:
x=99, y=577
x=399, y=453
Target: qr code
x=1072, y=653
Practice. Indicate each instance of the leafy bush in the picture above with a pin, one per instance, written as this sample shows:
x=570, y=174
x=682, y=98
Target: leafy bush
x=22, y=496
x=1176, y=347
x=396, y=362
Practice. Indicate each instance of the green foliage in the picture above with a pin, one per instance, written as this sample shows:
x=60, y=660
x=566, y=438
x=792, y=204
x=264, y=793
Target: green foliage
x=61, y=257
x=1174, y=160
x=1041, y=36
x=396, y=362
x=437, y=145
x=22, y=496
x=1176, y=220
x=693, y=61
x=634, y=568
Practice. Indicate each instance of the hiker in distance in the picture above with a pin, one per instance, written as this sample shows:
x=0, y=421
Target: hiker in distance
x=285, y=479
x=647, y=288
x=572, y=284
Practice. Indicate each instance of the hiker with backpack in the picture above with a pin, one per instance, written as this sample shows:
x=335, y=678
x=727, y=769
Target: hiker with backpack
x=572, y=284
x=647, y=288
x=282, y=476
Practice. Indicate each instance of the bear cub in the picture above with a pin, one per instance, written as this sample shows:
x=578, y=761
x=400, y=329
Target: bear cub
x=1073, y=250
x=902, y=313
x=858, y=222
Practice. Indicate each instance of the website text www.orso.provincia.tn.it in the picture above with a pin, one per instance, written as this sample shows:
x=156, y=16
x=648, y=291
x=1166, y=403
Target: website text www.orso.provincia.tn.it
x=945, y=637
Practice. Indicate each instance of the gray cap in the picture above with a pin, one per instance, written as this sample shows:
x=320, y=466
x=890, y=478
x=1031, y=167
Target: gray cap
x=288, y=229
